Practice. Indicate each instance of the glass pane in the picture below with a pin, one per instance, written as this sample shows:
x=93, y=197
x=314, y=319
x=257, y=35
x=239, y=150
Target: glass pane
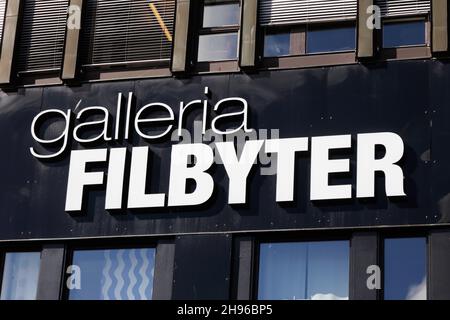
x=405, y=269
x=282, y=271
x=328, y=270
x=403, y=34
x=20, y=275
x=220, y=15
x=217, y=47
x=330, y=39
x=121, y=274
x=277, y=44
x=304, y=270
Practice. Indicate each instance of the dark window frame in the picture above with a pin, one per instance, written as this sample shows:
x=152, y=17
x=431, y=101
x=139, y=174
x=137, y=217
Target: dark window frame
x=104, y=244
x=339, y=235
x=330, y=25
x=283, y=237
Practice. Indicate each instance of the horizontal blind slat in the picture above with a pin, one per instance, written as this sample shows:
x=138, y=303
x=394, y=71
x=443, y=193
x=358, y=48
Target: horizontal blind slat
x=41, y=41
x=276, y=12
x=127, y=30
x=395, y=8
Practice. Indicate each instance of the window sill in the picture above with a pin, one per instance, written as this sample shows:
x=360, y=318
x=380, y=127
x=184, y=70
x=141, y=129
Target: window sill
x=307, y=61
x=406, y=53
x=216, y=67
x=125, y=70
x=109, y=75
x=38, y=78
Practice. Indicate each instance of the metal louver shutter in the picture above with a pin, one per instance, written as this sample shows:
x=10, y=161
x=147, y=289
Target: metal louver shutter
x=395, y=8
x=278, y=12
x=2, y=17
x=128, y=31
x=41, y=41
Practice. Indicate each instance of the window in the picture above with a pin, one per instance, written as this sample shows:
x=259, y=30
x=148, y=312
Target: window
x=401, y=34
x=404, y=22
x=277, y=44
x=218, y=36
x=20, y=275
x=405, y=269
x=296, y=27
x=117, y=274
x=41, y=41
x=304, y=270
x=217, y=47
x=226, y=14
x=330, y=39
x=128, y=31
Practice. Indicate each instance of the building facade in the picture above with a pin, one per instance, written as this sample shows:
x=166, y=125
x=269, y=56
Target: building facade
x=224, y=149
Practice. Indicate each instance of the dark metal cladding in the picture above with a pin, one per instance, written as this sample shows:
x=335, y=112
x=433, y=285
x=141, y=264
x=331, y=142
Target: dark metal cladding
x=409, y=98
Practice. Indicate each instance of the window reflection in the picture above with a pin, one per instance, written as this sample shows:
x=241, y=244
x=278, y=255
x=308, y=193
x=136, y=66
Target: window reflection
x=277, y=44
x=221, y=15
x=322, y=40
x=304, y=270
x=217, y=47
x=400, y=34
x=20, y=275
x=120, y=274
x=405, y=269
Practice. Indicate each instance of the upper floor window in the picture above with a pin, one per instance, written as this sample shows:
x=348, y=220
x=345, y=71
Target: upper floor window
x=41, y=40
x=128, y=31
x=304, y=270
x=297, y=27
x=20, y=275
x=330, y=39
x=404, y=22
x=404, y=33
x=218, y=35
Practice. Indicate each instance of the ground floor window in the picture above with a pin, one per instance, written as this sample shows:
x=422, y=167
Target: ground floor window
x=405, y=267
x=304, y=270
x=309, y=39
x=117, y=274
x=20, y=275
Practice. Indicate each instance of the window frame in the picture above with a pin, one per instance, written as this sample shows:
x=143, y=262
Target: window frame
x=337, y=234
x=427, y=35
x=422, y=51
x=123, y=70
x=283, y=237
x=113, y=244
x=228, y=65
x=302, y=59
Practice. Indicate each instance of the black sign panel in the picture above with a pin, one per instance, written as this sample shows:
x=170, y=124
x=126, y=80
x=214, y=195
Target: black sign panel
x=408, y=98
